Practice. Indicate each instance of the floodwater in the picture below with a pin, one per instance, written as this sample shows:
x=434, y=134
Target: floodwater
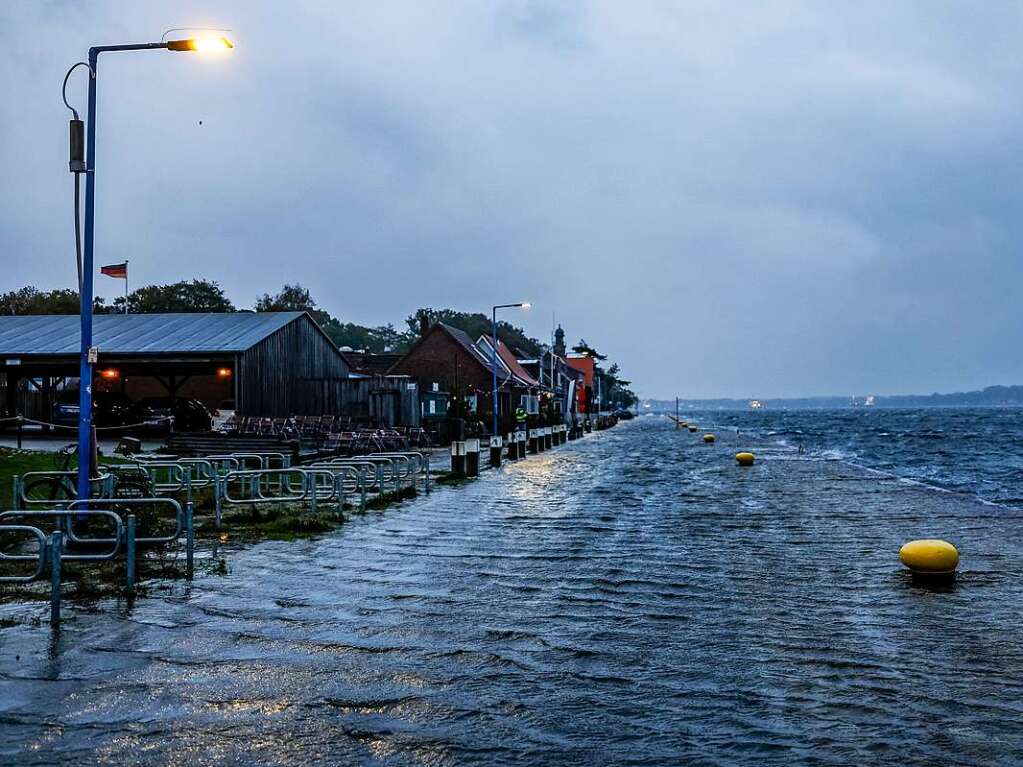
x=632, y=598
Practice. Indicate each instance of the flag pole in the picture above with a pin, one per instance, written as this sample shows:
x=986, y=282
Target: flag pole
x=125, y=286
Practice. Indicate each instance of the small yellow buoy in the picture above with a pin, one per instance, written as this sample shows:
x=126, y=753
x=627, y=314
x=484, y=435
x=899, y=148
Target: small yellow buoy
x=930, y=557
x=709, y=438
x=745, y=459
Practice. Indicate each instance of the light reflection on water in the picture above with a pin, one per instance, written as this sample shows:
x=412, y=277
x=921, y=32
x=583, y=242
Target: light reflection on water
x=635, y=598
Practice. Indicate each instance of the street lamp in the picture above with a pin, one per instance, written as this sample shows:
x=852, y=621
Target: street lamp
x=493, y=350
x=200, y=44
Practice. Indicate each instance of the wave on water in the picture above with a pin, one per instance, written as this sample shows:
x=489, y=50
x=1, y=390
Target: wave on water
x=971, y=451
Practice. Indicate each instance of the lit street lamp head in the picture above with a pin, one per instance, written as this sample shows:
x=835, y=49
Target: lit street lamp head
x=206, y=44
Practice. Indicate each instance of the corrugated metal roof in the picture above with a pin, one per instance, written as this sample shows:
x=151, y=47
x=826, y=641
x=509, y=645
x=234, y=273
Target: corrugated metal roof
x=49, y=334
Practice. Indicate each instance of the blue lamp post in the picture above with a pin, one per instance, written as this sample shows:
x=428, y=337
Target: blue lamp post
x=88, y=354
x=493, y=351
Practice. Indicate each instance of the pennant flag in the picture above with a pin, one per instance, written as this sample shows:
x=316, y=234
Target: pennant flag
x=117, y=271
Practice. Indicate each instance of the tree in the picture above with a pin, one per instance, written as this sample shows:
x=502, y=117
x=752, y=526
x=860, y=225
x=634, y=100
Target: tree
x=293, y=298
x=384, y=338
x=31, y=300
x=177, y=297
x=584, y=348
x=476, y=325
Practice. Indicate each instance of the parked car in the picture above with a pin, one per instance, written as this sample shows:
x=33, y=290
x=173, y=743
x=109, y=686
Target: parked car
x=188, y=414
x=108, y=409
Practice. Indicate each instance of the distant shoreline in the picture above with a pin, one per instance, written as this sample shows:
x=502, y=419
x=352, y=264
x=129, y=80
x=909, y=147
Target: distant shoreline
x=768, y=407
x=992, y=396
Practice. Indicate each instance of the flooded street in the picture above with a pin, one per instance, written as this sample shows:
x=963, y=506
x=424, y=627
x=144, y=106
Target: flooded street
x=631, y=598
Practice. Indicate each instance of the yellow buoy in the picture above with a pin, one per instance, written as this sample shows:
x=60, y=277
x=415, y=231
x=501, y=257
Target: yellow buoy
x=709, y=437
x=930, y=557
x=745, y=459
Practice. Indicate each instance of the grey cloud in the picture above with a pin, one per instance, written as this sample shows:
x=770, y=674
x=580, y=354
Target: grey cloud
x=797, y=198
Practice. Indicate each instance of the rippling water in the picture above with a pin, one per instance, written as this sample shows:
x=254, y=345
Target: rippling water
x=633, y=598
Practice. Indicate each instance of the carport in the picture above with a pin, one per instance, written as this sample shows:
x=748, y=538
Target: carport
x=266, y=363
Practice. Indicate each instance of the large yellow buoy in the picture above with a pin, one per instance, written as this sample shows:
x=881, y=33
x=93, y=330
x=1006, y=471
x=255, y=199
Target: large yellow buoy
x=709, y=438
x=930, y=557
x=745, y=459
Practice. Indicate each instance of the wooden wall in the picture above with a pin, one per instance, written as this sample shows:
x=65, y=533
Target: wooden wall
x=295, y=371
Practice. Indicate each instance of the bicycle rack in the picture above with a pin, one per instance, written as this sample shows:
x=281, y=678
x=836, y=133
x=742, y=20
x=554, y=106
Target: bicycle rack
x=54, y=551
x=65, y=479
x=350, y=478
x=284, y=485
x=48, y=551
x=416, y=463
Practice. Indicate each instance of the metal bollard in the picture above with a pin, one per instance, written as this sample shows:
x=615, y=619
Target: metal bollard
x=548, y=441
x=458, y=459
x=534, y=442
x=472, y=458
x=129, y=549
x=56, y=552
x=495, y=451
x=520, y=439
x=189, y=540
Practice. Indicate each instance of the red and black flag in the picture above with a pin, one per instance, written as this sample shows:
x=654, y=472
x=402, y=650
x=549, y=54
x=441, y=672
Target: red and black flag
x=117, y=271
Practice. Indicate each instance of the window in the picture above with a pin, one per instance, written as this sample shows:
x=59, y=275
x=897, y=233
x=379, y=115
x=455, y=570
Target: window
x=433, y=407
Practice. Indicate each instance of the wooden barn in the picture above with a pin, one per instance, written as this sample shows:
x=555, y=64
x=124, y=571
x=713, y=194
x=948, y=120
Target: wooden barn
x=261, y=363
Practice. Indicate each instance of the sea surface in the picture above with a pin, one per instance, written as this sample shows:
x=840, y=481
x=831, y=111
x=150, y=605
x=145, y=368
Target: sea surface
x=633, y=598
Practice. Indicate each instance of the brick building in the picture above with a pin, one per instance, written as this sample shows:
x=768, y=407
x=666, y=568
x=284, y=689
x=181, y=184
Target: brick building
x=445, y=359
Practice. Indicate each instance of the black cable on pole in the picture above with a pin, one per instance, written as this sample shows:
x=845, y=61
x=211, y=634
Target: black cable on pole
x=76, y=166
x=78, y=234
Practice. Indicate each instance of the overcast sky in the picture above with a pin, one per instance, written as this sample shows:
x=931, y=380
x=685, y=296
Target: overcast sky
x=730, y=199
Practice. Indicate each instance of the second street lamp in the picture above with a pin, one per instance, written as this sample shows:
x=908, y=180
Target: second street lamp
x=88, y=352
x=493, y=353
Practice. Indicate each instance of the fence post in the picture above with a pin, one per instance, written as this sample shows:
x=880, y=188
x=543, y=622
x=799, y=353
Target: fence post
x=189, y=539
x=130, y=551
x=56, y=552
x=426, y=456
x=217, y=495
